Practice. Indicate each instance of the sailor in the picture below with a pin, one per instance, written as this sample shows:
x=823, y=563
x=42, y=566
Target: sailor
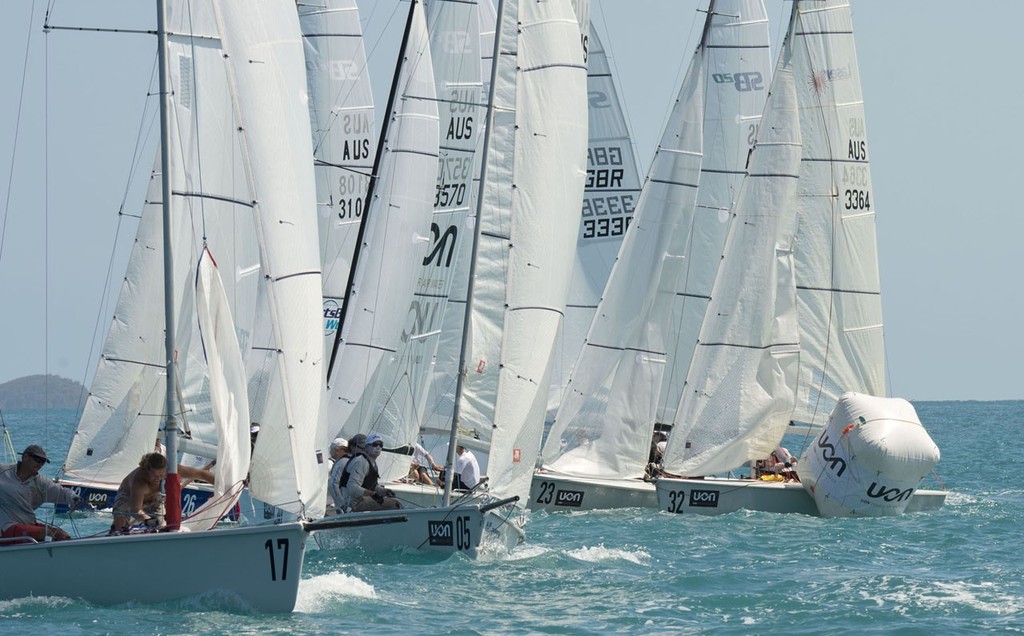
x=338, y=499
x=780, y=462
x=467, y=469
x=422, y=463
x=359, y=482
x=22, y=490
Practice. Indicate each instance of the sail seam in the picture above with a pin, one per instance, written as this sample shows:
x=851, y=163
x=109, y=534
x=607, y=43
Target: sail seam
x=215, y=197
x=840, y=291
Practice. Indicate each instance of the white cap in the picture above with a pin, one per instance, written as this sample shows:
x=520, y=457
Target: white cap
x=339, y=443
x=374, y=437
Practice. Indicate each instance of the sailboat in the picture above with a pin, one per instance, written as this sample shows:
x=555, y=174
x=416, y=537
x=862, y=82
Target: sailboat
x=528, y=212
x=376, y=361
x=795, y=316
x=243, y=78
x=624, y=382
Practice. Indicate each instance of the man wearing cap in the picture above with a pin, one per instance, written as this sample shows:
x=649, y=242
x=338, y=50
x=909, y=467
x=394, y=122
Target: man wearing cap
x=359, y=485
x=339, y=457
x=22, y=490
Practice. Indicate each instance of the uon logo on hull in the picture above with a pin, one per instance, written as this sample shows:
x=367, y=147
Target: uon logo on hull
x=704, y=498
x=571, y=498
x=441, y=533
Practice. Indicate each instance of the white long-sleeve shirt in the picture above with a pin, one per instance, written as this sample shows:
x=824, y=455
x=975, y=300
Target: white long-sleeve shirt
x=19, y=499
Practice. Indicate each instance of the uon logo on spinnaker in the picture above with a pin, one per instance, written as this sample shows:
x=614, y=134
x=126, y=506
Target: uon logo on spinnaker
x=703, y=498
x=332, y=314
x=441, y=533
x=571, y=498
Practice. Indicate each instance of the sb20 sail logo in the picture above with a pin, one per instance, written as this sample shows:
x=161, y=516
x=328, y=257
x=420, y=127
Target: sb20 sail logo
x=744, y=82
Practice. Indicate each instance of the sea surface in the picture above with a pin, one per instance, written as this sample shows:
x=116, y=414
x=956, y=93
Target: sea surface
x=957, y=570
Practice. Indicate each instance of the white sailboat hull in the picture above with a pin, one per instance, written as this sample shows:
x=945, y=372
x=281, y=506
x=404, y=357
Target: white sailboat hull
x=722, y=496
x=259, y=566
x=440, y=532
x=556, y=492
x=503, y=524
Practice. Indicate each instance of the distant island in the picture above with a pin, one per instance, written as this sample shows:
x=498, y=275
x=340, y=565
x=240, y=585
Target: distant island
x=42, y=391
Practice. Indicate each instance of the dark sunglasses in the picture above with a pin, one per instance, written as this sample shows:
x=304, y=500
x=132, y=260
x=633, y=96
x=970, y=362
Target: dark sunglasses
x=39, y=460
x=378, y=444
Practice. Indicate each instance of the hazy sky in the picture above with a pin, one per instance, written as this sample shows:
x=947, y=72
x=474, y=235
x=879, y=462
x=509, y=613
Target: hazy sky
x=942, y=93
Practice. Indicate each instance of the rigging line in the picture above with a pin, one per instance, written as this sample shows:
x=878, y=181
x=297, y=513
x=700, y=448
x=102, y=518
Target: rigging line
x=17, y=129
x=195, y=115
x=46, y=233
x=105, y=291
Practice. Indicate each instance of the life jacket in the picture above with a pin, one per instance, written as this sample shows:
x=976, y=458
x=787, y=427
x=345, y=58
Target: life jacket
x=370, y=483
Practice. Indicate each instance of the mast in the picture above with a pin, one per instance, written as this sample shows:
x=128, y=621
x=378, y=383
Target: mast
x=173, y=485
x=449, y=464
x=369, y=191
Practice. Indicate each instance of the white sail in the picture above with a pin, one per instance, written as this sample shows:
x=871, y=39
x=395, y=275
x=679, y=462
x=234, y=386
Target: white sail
x=612, y=190
x=344, y=143
x=211, y=199
x=529, y=214
x=395, y=234
x=268, y=68
x=838, y=289
x=738, y=75
x=739, y=390
x=440, y=405
x=660, y=284
x=228, y=395
x=394, y=402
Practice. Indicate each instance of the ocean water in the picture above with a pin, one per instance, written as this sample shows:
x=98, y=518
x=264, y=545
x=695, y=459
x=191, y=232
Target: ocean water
x=956, y=570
